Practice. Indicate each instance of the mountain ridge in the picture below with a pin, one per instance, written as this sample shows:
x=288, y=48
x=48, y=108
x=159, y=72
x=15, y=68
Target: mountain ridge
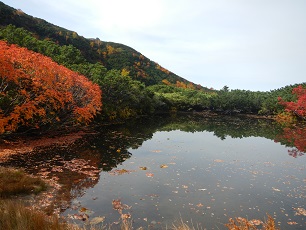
x=110, y=54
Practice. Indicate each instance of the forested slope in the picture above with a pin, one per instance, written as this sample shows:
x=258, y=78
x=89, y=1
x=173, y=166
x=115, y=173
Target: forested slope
x=109, y=54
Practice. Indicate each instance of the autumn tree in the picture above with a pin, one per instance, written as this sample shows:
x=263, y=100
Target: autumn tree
x=166, y=82
x=297, y=107
x=36, y=92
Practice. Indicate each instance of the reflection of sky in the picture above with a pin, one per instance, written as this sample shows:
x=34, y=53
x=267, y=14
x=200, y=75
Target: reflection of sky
x=207, y=180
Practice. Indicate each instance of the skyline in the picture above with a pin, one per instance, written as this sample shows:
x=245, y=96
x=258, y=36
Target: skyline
x=251, y=45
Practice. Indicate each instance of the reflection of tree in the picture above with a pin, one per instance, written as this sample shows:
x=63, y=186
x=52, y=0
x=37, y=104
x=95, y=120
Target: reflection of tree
x=294, y=136
x=71, y=170
x=76, y=167
x=222, y=126
x=295, y=153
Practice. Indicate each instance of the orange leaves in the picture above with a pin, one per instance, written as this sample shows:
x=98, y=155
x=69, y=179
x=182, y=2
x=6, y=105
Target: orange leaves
x=35, y=91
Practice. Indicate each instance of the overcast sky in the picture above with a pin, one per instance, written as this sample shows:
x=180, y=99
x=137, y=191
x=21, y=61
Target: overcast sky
x=244, y=44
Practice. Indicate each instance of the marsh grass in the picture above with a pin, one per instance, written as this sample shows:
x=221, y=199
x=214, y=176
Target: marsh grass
x=15, y=182
x=13, y=215
x=244, y=224
x=181, y=225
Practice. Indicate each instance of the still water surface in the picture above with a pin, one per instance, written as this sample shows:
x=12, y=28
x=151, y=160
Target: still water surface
x=200, y=170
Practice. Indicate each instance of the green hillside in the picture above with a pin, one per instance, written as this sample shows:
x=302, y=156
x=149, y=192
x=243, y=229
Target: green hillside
x=109, y=54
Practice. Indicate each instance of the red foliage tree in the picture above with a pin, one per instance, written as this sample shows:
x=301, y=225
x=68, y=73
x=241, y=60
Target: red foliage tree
x=298, y=108
x=35, y=92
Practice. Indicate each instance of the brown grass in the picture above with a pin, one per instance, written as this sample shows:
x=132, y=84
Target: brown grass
x=15, y=182
x=181, y=225
x=13, y=215
x=240, y=223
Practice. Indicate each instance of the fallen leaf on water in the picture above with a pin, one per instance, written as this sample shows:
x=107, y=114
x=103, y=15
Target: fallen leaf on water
x=117, y=205
x=149, y=174
x=163, y=166
x=275, y=189
x=156, y=151
x=292, y=223
x=117, y=172
x=86, y=211
x=300, y=211
x=218, y=161
x=83, y=209
x=125, y=216
x=143, y=168
x=83, y=217
x=97, y=220
x=255, y=222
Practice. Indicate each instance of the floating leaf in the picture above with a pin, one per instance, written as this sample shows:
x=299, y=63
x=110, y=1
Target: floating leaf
x=117, y=172
x=218, y=161
x=199, y=205
x=255, y=222
x=143, y=168
x=292, y=223
x=300, y=211
x=117, y=205
x=125, y=216
x=83, y=209
x=97, y=220
x=276, y=190
x=149, y=174
x=156, y=151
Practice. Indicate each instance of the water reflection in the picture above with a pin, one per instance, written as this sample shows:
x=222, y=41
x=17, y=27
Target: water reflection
x=77, y=168
x=293, y=136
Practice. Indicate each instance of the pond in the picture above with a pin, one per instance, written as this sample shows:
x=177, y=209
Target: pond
x=203, y=170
